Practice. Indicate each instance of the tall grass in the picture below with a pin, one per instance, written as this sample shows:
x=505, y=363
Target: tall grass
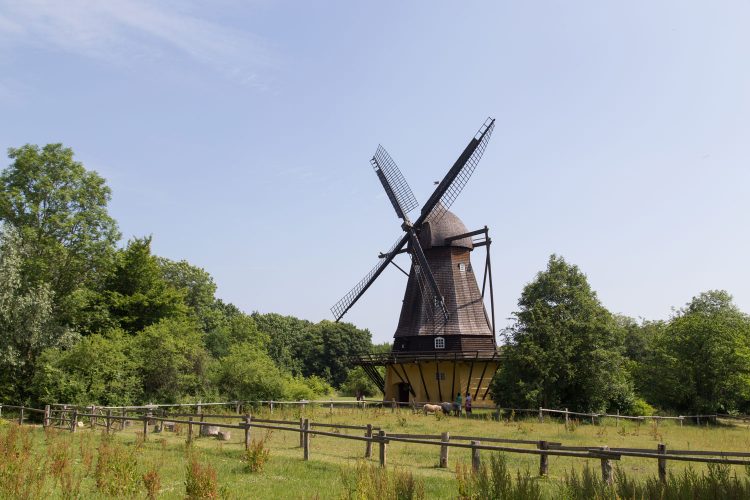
x=495, y=481
x=369, y=482
x=719, y=483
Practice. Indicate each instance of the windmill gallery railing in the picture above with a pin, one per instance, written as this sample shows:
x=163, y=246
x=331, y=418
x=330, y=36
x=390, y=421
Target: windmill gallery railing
x=73, y=418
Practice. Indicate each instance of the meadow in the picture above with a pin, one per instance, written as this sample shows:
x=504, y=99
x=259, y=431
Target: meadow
x=88, y=464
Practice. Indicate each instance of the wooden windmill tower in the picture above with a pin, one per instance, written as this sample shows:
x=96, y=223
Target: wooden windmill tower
x=445, y=341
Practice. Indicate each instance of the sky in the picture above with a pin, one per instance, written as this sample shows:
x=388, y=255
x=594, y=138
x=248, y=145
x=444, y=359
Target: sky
x=238, y=134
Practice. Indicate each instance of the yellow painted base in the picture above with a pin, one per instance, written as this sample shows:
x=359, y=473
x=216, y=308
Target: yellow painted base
x=436, y=382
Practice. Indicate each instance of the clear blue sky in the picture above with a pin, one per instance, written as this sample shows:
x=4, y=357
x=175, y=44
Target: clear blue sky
x=238, y=134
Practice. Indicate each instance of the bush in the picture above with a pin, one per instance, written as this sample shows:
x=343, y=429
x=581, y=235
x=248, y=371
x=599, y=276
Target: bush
x=256, y=456
x=641, y=408
x=357, y=382
x=152, y=482
x=200, y=481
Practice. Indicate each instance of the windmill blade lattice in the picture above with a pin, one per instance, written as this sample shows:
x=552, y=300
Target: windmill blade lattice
x=348, y=300
x=458, y=176
x=395, y=185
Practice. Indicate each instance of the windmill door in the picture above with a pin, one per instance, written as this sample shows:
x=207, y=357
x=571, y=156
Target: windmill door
x=403, y=393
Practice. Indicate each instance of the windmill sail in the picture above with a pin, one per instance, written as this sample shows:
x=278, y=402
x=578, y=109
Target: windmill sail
x=401, y=196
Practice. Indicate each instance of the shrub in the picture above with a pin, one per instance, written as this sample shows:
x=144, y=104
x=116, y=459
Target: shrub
x=256, y=456
x=200, y=481
x=641, y=408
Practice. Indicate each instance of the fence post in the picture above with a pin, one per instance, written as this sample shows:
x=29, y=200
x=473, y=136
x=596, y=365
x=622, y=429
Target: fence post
x=593, y=419
x=566, y=419
x=74, y=421
x=46, y=415
x=606, y=467
x=20, y=416
x=383, y=448
x=301, y=432
x=271, y=407
x=445, y=438
x=248, y=418
x=1, y=411
x=541, y=416
x=190, y=430
x=145, y=426
x=543, y=458
x=368, y=444
x=306, y=441
x=662, y=449
x=92, y=420
x=238, y=407
x=476, y=464
x=393, y=405
x=109, y=421
x=681, y=419
x=331, y=407
x=617, y=419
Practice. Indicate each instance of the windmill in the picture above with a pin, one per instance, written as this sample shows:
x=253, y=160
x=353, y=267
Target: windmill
x=445, y=341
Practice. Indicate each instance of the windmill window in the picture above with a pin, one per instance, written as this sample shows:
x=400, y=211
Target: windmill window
x=461, y=266
x=440, y=375
x=439, y=343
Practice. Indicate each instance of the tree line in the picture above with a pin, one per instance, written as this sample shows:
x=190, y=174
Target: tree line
x=565, y=349
x=84, y=319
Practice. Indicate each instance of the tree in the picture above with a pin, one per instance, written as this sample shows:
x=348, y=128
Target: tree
x=27, y=325
x=173, y=363
x=285, y=333
x=231, y=326
x=325, y=350
x=60, y=210
x=564, y=349
x=197, y=285
x=248, y=373
x=137, y=295
x=357, y=382
x=700, y=361
x=100, y=369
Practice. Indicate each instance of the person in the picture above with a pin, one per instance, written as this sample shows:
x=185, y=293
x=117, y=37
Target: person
x=458, y=404
x=468, y=404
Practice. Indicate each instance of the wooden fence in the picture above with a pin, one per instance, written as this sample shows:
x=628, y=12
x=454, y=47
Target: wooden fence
x=71, y=418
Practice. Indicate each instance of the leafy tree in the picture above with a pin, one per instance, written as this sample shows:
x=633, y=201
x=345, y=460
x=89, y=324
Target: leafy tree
x=357, y=382
x=564, y=349
x=325, y=349
x=700, y=361
x=137, y=294
x=285, y=334
x=27, y=325
x=100, y=369
x=197, y=285
x=173, y=361
x=232, y=326
x=248, y=373
x=60, y=209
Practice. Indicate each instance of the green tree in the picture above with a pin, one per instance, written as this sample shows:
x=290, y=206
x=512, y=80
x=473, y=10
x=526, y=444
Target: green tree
x=27, y=325
x=357, y=382
x=700, y=361
x=197, y=285
x=565, y=349
x=137, y=295
x=248, y=373
x=60, y=209
x=100, y=369
x=231, y=326
x=326, y=348
x=285, y=334
x=173, y=362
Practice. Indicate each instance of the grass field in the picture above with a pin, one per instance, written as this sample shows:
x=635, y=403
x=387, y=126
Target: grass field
x=286, y=475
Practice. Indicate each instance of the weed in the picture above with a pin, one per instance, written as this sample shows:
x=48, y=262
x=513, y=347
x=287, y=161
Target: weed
x=116, y=470
x=369, y=482
x=200, y=481
x=152, y=482
x=256, y=456
x=495, y=481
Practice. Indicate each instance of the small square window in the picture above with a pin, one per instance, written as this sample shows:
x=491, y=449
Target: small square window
x=439, y=343
x=461, y=267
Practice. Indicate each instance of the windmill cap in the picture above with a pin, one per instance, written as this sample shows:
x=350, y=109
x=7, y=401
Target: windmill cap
x=433, y=234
